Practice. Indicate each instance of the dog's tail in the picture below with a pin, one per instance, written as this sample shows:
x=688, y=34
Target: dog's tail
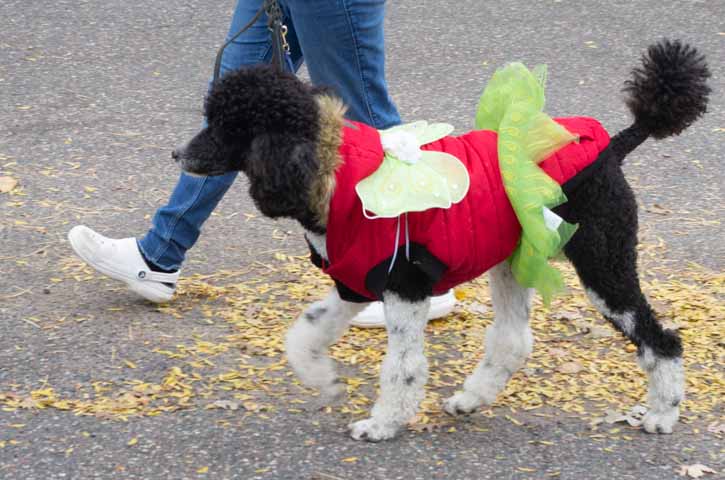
x=666, y=94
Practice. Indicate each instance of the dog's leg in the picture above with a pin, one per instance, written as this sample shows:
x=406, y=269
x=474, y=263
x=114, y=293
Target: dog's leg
x=604, y=253
x=404, y=371
x=508, y=343
x=321, y=324
x=659, y=351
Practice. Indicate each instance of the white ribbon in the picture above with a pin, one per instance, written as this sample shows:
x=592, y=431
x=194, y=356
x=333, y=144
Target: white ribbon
x=402, y=145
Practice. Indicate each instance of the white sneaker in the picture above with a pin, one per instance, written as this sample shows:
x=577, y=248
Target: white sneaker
x=374, y=317
x=122, y=260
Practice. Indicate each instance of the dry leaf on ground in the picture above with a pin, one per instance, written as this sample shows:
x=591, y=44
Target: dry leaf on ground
x=717, y=428
x=570, y=367
x=558, y=352
x=420, y=427
x=601, y=332
x=567, y=315
x=225, y=404
x=7, y=184
x=658, y=209
x=695, y=471
x=633, y=418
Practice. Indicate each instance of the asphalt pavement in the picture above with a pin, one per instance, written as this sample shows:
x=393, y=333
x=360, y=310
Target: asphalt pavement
x=94, y=95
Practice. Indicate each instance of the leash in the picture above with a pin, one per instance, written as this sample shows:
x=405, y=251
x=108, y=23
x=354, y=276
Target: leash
x=278, y=30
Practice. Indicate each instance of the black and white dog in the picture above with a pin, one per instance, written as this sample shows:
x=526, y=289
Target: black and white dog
x=285, y=135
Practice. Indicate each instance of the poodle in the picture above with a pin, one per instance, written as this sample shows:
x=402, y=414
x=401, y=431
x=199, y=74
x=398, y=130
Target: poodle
x=302, y=158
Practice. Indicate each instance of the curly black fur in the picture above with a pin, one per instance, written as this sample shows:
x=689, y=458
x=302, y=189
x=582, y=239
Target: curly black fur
x=669, y=91
x=278, y=114
x=264, y=122
x=261, y=100
x=604, y=254
x=666, y=95
x=280, y=174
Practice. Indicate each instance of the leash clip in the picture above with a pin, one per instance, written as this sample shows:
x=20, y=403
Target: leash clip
x=283, y=33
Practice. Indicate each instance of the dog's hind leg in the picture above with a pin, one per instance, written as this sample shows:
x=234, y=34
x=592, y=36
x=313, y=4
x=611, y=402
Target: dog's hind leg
x=319, y=326
x=404, y=371
x=659, y=354
x=604, y=254
x=508, y=343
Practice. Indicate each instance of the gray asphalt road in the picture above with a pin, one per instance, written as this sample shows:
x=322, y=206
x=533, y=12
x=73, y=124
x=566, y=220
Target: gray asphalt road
x=94, y=95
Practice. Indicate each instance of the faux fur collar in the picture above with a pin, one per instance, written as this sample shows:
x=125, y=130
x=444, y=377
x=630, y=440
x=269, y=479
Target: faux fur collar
x=332, y=115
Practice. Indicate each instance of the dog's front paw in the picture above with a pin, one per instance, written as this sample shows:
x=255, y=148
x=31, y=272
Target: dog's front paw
x=661, y=421
x=333, y=394
x=462, y=403
x=371, y=430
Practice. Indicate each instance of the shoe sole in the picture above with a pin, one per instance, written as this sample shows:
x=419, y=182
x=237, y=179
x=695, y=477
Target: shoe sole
x=436, y=311
x=149, y=291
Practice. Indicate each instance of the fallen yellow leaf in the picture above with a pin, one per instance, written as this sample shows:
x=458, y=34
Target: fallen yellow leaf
x=7, y=184
x=695, y=471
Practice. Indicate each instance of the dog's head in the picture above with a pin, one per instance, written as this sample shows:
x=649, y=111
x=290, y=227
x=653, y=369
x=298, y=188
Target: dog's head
x=265, y=123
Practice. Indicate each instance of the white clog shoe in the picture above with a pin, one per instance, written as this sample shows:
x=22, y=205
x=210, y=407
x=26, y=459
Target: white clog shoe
x=374, y=317
x=122, y=260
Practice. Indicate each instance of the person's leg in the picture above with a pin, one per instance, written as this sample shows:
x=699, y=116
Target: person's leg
x=344, y=47
x=177, y=225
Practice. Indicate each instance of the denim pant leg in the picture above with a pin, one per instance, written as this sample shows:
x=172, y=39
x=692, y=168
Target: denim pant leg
x=343, y=44
x=177, y=226
x=344, y=47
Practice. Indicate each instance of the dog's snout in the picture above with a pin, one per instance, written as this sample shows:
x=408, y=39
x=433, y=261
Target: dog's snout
x=175, y=154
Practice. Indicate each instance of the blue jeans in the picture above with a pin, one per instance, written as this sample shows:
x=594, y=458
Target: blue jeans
x=342, y=43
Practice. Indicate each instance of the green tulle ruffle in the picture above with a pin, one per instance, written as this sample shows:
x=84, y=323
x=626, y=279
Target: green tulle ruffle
x=512, y=105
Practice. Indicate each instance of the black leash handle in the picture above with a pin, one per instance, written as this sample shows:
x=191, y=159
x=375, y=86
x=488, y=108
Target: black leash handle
x=277, y=29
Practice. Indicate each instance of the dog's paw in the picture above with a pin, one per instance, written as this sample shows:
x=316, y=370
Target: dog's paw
x=658, y=421
x=333, y=394
x=462, y=403
x=371, y=430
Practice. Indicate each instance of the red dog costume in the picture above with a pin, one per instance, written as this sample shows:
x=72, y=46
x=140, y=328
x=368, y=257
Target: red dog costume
x=451, y=245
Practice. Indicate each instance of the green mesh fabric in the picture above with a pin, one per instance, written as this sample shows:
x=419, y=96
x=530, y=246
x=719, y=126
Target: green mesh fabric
x=512, y=105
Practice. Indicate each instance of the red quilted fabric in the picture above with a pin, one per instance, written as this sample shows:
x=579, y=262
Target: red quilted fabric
x=471, y=236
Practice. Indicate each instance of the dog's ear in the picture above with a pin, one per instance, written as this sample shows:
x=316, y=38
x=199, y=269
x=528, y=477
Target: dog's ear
x=280, y=171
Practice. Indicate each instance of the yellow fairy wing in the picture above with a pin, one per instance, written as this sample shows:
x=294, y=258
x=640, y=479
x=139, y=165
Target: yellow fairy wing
x=433, y=132
x=451, y=169
x=397, y=187
x=425, y=133
x=411, y=127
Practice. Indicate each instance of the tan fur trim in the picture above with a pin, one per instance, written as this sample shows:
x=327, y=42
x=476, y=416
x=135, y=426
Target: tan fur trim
x=332, y=115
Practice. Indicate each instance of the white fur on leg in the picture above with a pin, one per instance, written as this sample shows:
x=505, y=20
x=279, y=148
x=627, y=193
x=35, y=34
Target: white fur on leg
x=666, y=390
x=404, y=371
x=666, y=375
x=321, y=324
x=508, y=344
x=624, y=320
